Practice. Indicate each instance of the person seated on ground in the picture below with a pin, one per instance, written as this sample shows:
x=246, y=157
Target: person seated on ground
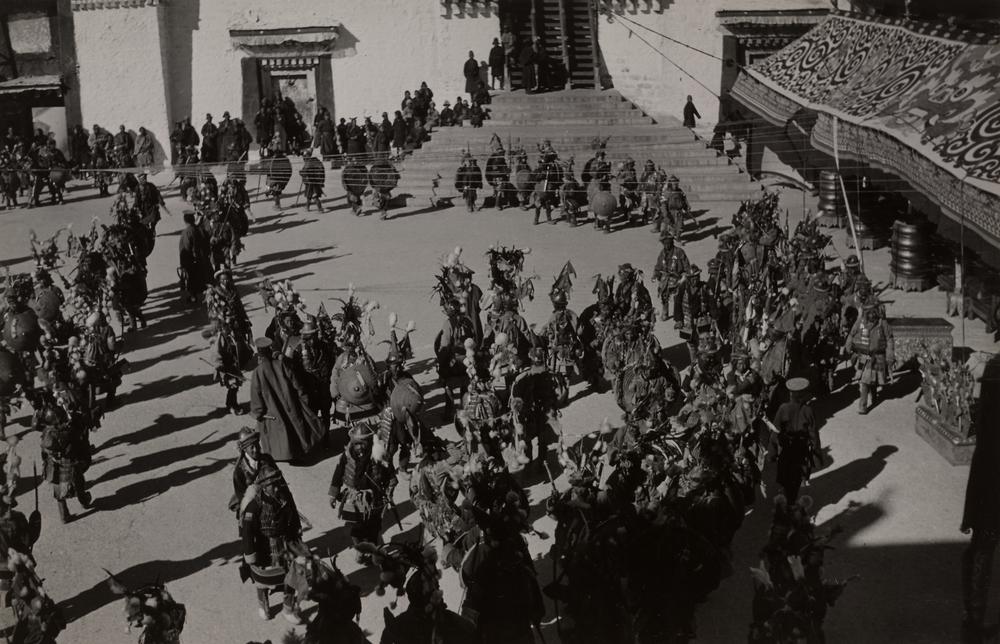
x=447, y=116
x=482, y=94
x=476, y=115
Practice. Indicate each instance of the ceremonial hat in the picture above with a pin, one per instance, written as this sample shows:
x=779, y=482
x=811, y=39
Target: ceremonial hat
x=225, y=115
x=268, y=474
x=247, y=437
x=852, y=260
x=263, y=343
x=309, y=327
x=797, y=384
x=694, y=271
x=394, y=356
x=713, y=264
x=496, y=41
x=625, y=268
x=447, y=103
x=673, y=177
x=537, y=354
x=668, y=233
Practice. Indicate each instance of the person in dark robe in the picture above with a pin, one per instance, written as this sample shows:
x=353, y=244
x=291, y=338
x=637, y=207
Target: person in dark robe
x=176, y=142
x=227, y=139
x=209, y=141
x=288, y=428
x=496, y=60
x=355, y=141
x=527, y=61
x=447, y=116
x=690, y=113
x=195, y=264
x=383, y=140
x=124, y=145
x=982, y=508
x=313, y=179
x=326, y=134
x=144, y=147
x=79, y=147
x=798, y=439
x=243, y=140
x=542, y=66
x=263, y=122
x=417, y=136
x=398, y=134
x=189, y=136
x=342, y=135
x=471, y=72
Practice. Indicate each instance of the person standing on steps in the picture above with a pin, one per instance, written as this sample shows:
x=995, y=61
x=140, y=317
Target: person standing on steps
x=471, y=72
x=690, y=113
x=527, y=61
x=509, y=41
x=496, y=61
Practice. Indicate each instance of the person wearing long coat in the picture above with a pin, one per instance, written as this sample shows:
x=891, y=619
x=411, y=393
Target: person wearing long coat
x=471, y=72
x=288, y=428
x=144, y=147
x=399, y=131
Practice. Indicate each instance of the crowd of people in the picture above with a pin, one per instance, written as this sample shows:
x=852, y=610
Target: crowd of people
x=669, y=487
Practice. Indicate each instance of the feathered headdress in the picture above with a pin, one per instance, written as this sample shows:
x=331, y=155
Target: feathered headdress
x=563, y=284
x=354, y=318
x=506, y=265
x=281, y=296
x=46, y=253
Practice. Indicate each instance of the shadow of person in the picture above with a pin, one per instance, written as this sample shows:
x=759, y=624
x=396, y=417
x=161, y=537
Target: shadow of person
x=100, y=595
x=831, y=487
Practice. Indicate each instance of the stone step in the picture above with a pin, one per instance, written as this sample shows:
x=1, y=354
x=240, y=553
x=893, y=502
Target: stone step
x=615, y=120
x=591, y=111
x=567, y=132
x=561, y=96
x=694, y=198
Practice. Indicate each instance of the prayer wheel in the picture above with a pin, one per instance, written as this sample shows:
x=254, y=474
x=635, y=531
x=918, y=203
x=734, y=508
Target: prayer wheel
x=909, y=266
x=831, y=201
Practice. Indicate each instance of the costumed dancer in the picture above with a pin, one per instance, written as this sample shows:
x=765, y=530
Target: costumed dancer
x=498, y=175
x=870, y=340
x=271, y=531
x=671, y=268
x=674, y=206
x=469, y=181
x=534, y=401
x=232, y=346
x=66, y=450
x=313, y=178
x=361, y=488
x=565, y=349
x=249, y=463
x=279, y=173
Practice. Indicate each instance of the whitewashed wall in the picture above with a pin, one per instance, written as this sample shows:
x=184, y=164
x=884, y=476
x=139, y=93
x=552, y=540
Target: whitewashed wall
x=385, y=47
x=655, y=84
x=122, y=76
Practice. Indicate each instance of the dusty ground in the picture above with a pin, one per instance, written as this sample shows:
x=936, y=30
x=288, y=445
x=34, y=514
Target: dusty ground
x=161, y=478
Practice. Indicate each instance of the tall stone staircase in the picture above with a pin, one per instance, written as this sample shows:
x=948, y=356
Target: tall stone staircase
x=571, y=120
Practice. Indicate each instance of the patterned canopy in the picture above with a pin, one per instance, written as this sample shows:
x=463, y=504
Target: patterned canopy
x=919, y=100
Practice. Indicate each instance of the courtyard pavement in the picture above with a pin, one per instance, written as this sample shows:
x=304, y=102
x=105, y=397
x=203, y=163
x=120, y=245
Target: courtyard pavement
x=162, y=475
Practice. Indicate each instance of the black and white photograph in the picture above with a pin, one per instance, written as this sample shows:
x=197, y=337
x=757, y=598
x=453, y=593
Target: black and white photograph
x=499, y=321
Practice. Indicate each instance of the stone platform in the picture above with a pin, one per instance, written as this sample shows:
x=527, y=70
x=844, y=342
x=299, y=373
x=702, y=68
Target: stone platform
x=955, y=448
x=912, y=334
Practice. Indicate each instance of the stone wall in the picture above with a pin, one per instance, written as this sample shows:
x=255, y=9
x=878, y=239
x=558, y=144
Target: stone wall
x=123, y=79
x=383, y=48
x=659, y=86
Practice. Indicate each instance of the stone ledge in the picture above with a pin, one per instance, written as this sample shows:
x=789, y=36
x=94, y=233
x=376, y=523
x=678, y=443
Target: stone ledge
x=955, y=449
x=87, y=5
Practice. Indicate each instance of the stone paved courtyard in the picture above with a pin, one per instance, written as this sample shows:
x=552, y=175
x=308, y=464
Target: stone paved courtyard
x=161, y=477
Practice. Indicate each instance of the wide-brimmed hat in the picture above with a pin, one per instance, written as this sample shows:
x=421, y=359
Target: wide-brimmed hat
x=263, y=343
x=797, y=384
x=247, y=437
